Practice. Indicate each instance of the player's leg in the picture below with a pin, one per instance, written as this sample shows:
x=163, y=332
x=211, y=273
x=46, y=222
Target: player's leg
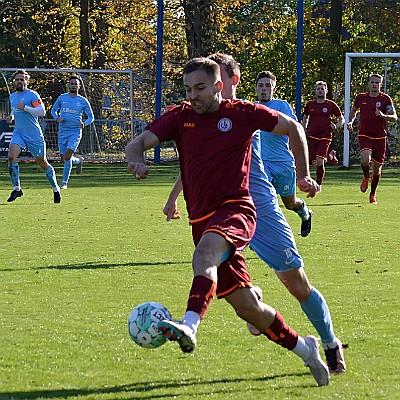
x=365, y=147
x=322, y=147
x=13, y=170
x=67, y=167
x=377, y=158
x=268, y=321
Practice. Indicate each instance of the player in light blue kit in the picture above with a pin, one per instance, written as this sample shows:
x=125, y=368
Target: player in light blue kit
x=277, y=157
x=68, y=111
x=26, y=107
x=273, y=240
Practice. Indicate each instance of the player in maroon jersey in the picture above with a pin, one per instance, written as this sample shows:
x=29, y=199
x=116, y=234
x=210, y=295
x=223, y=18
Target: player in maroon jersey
x=376, y=108
x=213, y=137
x=320, y=116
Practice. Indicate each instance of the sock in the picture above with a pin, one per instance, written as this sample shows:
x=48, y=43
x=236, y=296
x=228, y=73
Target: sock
x=320, y=174
x=192, y=319
x=51, y=177
x=317, y=311
x=200, y=296
x=301, y=349
x=303, y=212
x=374, y=183
x=281, y=333
x=75, y=160
x=365, y=169
x=13, y=170
x=67, y=170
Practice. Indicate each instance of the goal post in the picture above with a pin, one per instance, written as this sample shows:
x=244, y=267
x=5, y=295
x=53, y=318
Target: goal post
x=121, y=112
x=347, y=95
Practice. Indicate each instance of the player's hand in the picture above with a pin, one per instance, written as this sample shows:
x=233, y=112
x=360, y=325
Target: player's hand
x=333, y=125
x=378, y=112
x=171, y=210
x=138, y=170
x=9, y=119
x=21, y=105
x=59, y=119
x=309, y=186
x=350, y=126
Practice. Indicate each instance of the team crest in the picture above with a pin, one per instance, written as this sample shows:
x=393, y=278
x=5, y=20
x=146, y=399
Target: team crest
x=224, y=124
x=378, y=104
x=325, y=110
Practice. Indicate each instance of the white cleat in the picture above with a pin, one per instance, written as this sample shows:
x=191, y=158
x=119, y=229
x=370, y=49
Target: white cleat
x=314, y=361
x=178, y=331
x=64, y=186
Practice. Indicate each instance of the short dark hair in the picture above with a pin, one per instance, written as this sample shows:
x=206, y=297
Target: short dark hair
x=74, y=76
x=376, y=76
x=210, y=67
x=23, y=72
x=232, y=67
x=265, y=74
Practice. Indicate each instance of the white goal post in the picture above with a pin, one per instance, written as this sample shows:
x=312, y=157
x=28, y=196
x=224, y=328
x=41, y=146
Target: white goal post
x=347, y=100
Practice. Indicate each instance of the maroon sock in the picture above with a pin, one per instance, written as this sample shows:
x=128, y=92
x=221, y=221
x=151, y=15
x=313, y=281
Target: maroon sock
x=374, y=183
x=320, y=174
x=200, y=296
x=281, y=333
x=365, y=169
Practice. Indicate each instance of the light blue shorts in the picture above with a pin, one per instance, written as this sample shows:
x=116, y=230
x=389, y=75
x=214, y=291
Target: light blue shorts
x=282, y=177
x=273, y=240
x=36, y=147
x=68, y=142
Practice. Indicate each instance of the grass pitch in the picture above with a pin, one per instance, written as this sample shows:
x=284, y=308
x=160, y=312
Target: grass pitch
x=71, y=273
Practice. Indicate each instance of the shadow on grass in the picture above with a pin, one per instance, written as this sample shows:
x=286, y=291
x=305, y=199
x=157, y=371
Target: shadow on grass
x=148, y=387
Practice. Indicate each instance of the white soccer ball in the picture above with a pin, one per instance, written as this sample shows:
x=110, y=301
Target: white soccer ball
x=143, y=324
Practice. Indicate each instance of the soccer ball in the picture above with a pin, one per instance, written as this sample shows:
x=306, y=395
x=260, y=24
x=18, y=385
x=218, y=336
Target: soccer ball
x=142, y=324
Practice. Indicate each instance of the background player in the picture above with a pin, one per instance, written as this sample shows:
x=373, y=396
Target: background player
x=321, y=115
x=26, y=107
x=376, y=108
x=68, y=111
x=277, y=157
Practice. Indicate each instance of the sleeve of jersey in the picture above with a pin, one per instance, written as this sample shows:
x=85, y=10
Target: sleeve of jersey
x=55, y=109
x=265, y=118
x=89, y=113
x=165, y=127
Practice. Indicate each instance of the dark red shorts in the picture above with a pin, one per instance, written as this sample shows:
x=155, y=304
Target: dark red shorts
x=236, y=222
x=318, y=148
x=376, y=145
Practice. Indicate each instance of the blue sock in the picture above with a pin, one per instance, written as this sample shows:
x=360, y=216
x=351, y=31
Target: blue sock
x=13, y=170
x=75, y=160
x=317, y=311
x=51, y=177
x=67, y=170
x=303, y=212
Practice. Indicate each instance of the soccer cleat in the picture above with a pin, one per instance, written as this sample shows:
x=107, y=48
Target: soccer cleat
x=79, y=166
x=335, y=358
x=364, y=185
x=332, y=156
x=318, y=368
x=252, y=329
x=15, y=194
x=306, y=225
x=372, y=199
x=178, y=331
x=64, y=185
x=57, y=197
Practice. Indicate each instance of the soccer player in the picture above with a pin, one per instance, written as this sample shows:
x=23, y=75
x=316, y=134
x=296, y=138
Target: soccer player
x=376, y=108
x=68, y=111
x=278, y=159
x=26, y=107
x=320, y=116
x=213, y=137
x=273, y=240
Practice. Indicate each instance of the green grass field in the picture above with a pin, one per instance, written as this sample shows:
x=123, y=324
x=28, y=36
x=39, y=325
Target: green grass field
x=72, y=272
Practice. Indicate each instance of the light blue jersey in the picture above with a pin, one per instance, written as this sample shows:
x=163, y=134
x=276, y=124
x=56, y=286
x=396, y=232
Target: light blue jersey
x=273, y=240
x=71, y=109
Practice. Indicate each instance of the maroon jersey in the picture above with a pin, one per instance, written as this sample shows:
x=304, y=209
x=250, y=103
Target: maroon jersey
x=320, y=118
x=371, y=125
x=214, y=151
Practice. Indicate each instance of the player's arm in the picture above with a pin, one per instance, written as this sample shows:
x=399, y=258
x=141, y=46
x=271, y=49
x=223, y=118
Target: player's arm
x=171, y=206
x=390, y=116
x=10, y=118
x=305, y=121
x=298, y=143
x=134, y=153
x=38, y=108
x=55, y=111
x=89, y=113
x=338, y=123
x=352, y=116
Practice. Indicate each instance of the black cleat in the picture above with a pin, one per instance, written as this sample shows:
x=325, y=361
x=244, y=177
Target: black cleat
x=15, y=194
x=306, y=225
x=57, y=197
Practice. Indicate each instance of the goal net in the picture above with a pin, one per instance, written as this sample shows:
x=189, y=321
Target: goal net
x=357, y=70
x=118, y=99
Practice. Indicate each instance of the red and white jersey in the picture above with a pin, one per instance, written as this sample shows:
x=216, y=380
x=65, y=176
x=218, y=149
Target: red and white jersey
x=320, y=118
x=371, y=125
x=214, y=151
